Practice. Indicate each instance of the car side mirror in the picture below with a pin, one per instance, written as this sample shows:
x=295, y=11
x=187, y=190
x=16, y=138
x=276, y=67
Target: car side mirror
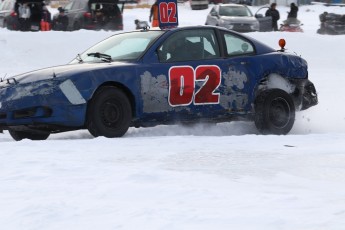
x=259, y=16
x=214, y=14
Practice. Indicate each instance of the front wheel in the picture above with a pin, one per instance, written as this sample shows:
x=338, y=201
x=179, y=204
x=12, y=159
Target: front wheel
x=20, y=135
x=109, y=113
x=274, y=112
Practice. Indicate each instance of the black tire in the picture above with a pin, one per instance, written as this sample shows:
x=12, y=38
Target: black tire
x=8, y=26
x=109, y=113
x=76, y=26
x=320, y=31
x=274, y=112
x=20, y=135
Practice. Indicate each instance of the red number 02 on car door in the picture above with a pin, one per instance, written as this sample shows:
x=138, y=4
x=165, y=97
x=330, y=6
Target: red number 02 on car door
x=182, y=82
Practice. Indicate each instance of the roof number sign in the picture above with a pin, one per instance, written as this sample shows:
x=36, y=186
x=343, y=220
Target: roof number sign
x=167, y=14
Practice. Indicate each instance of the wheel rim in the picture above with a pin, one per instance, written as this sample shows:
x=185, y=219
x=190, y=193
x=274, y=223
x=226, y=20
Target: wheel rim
x=279, y=112
x=111, y=113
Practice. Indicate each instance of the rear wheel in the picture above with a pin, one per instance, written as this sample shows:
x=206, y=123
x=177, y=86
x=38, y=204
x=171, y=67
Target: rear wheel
x=76, y=26
x=8, y=26
x=274, y=112
x=109, y=113
x=20, y=135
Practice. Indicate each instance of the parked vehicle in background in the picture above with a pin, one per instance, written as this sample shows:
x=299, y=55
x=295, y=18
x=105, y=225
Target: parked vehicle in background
x=9, y=14
x=215, y=1
x=94, y=14
x=332, y=23
x=243, y=2
x=198, y=4
x=6, y=9
x=234, y=17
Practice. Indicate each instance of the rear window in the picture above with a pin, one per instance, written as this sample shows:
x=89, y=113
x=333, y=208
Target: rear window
x=238, y=11
x=7, y=5
x=106, y=8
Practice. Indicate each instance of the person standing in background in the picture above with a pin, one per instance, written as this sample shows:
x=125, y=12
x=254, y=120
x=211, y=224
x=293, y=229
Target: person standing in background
x=274, y=14
x=45, y=19
x=61, y=22
x=46, y=15
x=293, y=11
x=154, y=15
x=24, y=14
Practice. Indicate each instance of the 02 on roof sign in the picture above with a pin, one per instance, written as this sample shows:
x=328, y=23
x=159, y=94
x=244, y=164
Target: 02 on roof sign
x=167, y=14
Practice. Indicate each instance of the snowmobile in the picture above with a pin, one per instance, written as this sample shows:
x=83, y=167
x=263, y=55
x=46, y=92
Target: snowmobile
x=332, y=23
x=291, y=25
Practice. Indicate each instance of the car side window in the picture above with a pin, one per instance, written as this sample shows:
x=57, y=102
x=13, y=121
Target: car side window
x=189, y=45
x=213, y=11
x=3, y=5
x=69, y=6
x=7, y=5
x=77, y=5
x=237, y=46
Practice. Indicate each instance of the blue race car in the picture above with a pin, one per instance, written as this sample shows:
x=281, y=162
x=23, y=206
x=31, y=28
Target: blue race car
x=152, y=77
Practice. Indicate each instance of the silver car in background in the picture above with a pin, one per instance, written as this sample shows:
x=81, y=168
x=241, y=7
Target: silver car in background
x=198, y=4
x=234, y=17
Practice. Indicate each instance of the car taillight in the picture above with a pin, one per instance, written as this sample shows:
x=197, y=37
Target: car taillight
x=87, y=15
x=13, y=14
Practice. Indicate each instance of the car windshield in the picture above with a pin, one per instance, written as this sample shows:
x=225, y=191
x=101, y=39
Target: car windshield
x=237, y=11
x=120, y=47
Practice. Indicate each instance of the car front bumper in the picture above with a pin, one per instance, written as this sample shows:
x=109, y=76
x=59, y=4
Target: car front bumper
x=305, y=95
x=42, y=105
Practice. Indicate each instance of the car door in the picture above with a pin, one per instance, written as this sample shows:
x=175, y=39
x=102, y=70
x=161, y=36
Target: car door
x=2, y=14
x=265, y=22
x=241, y=68
x=213, y=17
x=5, y=9
x=189, y=80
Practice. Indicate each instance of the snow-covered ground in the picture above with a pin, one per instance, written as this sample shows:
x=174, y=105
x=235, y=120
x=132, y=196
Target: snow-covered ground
x=175, y=178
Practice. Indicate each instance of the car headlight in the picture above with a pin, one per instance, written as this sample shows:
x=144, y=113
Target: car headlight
x=225, y=23
x=230, y=27
x=255, y=26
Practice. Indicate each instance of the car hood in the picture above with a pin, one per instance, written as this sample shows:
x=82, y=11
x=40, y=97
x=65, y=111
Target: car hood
x=64, y=71
x=239, y=19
